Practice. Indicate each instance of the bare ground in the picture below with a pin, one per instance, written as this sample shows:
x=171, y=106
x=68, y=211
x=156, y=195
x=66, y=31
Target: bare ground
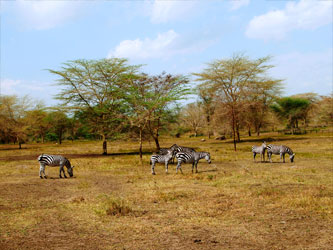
x=115, y=203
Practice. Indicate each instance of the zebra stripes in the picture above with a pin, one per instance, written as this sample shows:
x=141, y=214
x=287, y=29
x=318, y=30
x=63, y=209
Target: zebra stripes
x=191, y=157
x=184, y=149
x=280, y=150
x=259, y=150
x=161, y=159
x=52, y=161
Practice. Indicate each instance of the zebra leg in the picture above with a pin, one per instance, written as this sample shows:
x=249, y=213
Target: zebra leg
x=196, y=167
x=166, y=166
x=254, y=157
x=41, y=170
x=179, y=167
x=153, y=168
x=61, y=169
x=270, y=157
x=192, y=167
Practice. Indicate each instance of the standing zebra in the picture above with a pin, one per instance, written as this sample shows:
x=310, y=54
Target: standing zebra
x=191, y=157
x=161, y=159
x=259, y=150
x=279, y=150
x=53, y=161
x=172, y=149
x=184, y=149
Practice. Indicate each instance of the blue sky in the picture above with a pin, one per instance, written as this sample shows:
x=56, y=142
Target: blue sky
x=172, y=36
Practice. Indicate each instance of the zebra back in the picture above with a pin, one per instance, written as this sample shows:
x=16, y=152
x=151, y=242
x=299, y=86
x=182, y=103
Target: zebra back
x=161, y=158
x=192, y=156
x=185, y=149
x=54, y=160
x=279, y=149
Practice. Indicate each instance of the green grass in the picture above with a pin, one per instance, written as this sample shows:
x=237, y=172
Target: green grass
x=115, y=203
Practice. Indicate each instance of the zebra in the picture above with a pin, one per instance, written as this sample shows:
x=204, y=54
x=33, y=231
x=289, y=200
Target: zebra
x=161, y=159
x=184, y=149
x=54, y=160
x=191, y=157
x=259, y=150
x=172, y=149
x=280, y=150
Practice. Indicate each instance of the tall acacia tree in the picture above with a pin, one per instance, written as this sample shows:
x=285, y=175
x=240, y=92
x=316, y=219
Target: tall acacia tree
x=149, y=98
x=231, y=81
x=96, y=87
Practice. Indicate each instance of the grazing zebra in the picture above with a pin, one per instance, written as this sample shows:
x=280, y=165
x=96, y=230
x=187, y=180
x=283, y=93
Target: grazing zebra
x=279, y=150
x=259, y=150
x=161, y=159
x=53, y=161
x=191, y=157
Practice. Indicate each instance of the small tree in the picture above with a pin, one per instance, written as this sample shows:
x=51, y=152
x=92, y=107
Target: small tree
x=291, y=109
x=12, y=113
x=192, y=115
x=60, y=124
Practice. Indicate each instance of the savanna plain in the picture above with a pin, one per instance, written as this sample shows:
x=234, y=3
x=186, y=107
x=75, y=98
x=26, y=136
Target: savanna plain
x=114, y=202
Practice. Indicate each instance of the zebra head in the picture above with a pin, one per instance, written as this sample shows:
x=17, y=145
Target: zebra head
x=207, y=158
x=70, y=171
x=292, y=157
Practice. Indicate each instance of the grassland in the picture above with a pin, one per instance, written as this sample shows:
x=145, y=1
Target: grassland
x=114, y=202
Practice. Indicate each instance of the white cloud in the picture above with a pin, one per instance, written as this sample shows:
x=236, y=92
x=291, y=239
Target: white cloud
x=305, y=14
x=8, y=86
x=35, y=89
x=164, y=11
x=305, y=72
x=165, y=45
x=44, y=14
x=236, y=4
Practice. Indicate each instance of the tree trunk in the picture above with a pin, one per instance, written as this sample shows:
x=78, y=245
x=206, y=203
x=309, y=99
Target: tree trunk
x=105, y=150
x=233, y=128
x=258, y=129
x=249, y=130
x=60, y=136
x=155, y=136
x=208, y=125
x=237, y=131
x=140, y=147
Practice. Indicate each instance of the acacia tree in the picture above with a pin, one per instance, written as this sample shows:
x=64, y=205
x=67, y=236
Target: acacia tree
x=149, y=98
x=208, y=106
x=96, y=87
x=230, y=80
x=260, y=96
x=60, y=124
x=192, y=115
x=12, y=112
x=291, y=109
x=38, y=123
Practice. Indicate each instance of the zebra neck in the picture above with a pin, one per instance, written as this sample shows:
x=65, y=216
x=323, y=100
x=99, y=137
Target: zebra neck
x=202, y=155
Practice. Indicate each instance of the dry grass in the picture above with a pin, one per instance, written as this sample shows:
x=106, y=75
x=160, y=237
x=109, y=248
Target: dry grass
x=115, y=203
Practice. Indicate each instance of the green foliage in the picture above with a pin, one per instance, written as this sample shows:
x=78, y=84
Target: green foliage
x=291, y=109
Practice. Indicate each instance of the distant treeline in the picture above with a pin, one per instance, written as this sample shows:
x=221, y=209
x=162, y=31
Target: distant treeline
x=110, y=99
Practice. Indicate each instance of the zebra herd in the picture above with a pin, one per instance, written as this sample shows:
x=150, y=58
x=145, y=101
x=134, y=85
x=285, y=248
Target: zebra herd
x=182, y=154
x=272, y=149
x=166, y=155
